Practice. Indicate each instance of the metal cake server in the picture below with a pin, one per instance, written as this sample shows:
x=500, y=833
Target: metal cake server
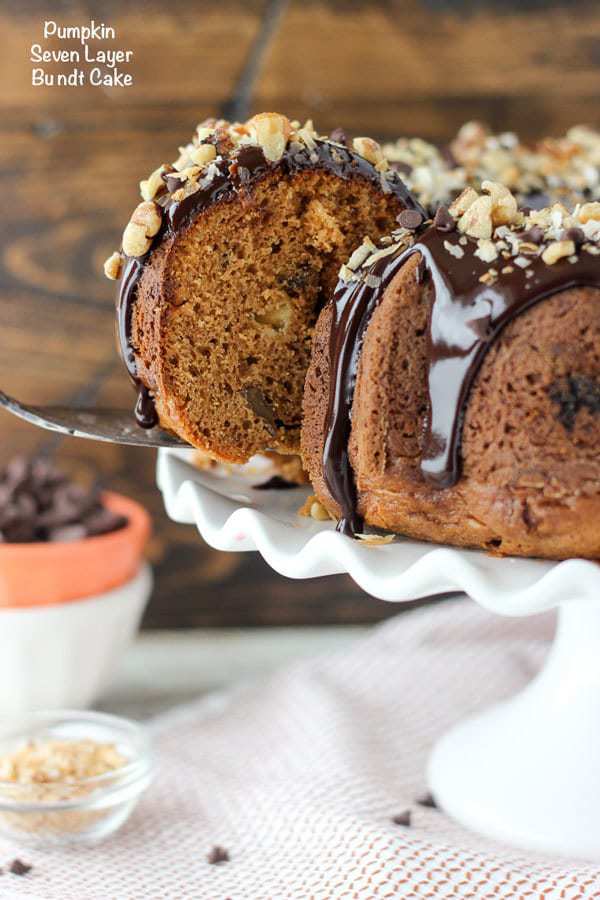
x=114, y=426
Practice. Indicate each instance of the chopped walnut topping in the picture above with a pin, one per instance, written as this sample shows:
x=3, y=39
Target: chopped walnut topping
x=187, y=174
x=153, y=184
x=425, y=170
x=346, y=273
x=566, y=168
x=486, y=250
x=135, y=242
x=318, y=512
x=113, y=265
x=203, y=133
x=51, y=772
x=528, y=248
x=491, y=228
x=454, y=250
x=307, y=134
x=198, y=163
x=361, y=254
x=371, y=151
x=463, y=202
x=45, y=762
x=589, y=211
x=143, y=225
x=374, y=540
x=148, y=215
x=183, y=159
x=469, y=142
x=271, y=132
x=504, y=204
x=489, y=277
x=557, y=250
x=381, y=253
x=312, y=508
x=476, y=221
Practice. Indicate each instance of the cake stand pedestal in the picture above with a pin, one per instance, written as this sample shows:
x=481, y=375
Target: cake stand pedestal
x=526, y=771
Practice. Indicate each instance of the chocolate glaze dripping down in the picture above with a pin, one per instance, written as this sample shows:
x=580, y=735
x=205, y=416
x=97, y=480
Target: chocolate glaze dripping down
x=145, y=411
x=230, y=177
x=466, y=317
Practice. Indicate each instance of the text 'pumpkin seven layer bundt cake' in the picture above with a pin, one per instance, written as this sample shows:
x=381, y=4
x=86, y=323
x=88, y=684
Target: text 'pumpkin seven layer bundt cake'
x=225, y=266
x=454, y=388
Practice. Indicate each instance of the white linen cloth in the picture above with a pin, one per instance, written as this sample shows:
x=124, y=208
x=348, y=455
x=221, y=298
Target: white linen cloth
x=298, y=777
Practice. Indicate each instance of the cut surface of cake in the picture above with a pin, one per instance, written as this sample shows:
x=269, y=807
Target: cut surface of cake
x=454, y=389
x=225, y=266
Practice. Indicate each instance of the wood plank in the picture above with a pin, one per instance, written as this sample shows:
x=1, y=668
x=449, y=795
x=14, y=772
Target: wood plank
x=414, y=68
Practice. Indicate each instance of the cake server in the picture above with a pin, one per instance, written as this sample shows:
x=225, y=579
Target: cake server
x=114, y=426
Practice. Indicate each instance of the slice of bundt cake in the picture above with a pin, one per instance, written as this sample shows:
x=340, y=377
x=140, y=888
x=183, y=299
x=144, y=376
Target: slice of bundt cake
x=225, y=266
x=454, y=390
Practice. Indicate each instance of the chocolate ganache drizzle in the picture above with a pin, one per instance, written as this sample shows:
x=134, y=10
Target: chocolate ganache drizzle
x=226, y=178
x=466, y=317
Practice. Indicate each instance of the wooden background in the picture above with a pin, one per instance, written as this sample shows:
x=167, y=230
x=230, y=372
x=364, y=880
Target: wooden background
x=70, y=160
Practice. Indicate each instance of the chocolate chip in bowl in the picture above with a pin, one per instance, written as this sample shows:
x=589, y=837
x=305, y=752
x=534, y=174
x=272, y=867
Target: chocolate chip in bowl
x=71, y=566
x=38, y=502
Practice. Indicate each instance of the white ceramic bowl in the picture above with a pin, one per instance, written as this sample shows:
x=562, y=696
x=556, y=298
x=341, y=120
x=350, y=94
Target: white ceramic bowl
x=59, y=656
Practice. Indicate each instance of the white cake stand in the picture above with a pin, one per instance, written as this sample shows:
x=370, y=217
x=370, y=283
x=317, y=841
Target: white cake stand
x=526, y=771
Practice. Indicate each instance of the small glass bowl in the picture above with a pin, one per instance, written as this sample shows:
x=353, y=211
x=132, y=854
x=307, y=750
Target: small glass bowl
x=83, y=811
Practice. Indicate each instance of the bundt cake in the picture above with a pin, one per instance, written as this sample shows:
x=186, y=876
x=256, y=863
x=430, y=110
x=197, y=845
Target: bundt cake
x=565, y=169
x=454, y=389
x=225, y=266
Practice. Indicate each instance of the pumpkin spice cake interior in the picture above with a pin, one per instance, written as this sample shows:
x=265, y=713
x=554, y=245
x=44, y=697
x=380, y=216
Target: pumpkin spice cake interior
x=225, y=267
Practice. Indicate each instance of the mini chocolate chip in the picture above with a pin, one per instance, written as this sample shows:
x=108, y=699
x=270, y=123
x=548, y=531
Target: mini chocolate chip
x=428, y=801
x=410, y=218
x=443, y=220
x=574, y=234
x=403, y=818
x=339, y=136
x=538, y=200
x=402, y=167
x=17, y=867
x=260, y=406
x=17, y=470
x=535, y=235
x=448, y=156
x=572, y=394
x=217, y=855
x=39, y=503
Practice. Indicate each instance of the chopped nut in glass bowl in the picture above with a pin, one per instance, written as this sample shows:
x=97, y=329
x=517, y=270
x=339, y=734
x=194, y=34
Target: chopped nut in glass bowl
x=70, y=777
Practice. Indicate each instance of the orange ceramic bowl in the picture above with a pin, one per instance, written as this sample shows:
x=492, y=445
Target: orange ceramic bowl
x=44, y=574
